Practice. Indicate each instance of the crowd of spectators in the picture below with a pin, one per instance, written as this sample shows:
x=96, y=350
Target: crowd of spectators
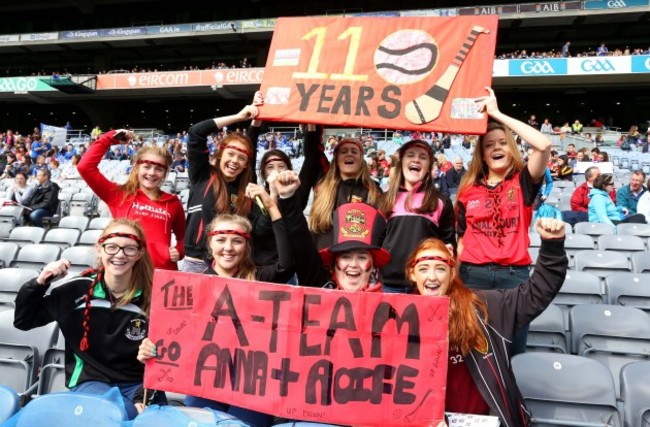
x=565, y=51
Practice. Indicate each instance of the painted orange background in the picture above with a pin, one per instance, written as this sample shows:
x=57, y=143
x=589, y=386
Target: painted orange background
x=228, y=76
x=291, y=52
x=178, y=325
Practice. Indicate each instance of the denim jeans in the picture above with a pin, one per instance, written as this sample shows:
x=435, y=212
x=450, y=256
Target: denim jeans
x=492, y=276
x=36, y=217
x=250, y=417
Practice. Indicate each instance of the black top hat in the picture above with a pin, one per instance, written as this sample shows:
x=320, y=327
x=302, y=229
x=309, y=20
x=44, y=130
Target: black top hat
x=357, y=226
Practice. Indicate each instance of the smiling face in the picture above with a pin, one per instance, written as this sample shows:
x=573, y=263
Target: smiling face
x=233, y=160
x=352, y=269
x=348, y=159
x=496, y=152
x=228, y=250
x=151, y=176
x=274, y=164
x=432, y=276
x=416, y=164
x=119, y=264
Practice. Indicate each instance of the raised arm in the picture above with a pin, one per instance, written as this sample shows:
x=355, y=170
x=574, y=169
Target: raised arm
x=88, y=166
x=315, y=165
x=540, y=144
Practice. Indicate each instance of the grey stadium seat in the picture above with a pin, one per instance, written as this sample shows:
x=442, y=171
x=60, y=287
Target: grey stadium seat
x=629, y=290
x=624, y=244
x=593, y=228
x=99, y=223
x=89, y=237
x=641, y=230
x=26, y=235
x=8, y=252
x=601, y=263
x=78, y=222
x=577, y=242
x=62, y=237
x=547, y=331
x=578, y=288
x=611, y=334
x=635, y=393
x=641, y=262
x=566, y=390
x=80, y=257
x=11, y=279
x=36, y=256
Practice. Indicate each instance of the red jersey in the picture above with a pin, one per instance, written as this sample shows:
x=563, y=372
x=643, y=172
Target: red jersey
x=462, y=395
x=494, y=222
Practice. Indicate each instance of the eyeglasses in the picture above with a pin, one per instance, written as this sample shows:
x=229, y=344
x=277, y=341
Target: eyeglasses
x=113, y=249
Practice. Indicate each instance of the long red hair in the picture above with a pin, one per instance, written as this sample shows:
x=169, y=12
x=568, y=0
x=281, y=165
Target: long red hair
x=465, y=330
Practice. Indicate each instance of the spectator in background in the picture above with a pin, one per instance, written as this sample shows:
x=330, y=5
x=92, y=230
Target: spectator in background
x=455, y=174
x=565, y=49
x=180, y=162
x=563, y=171
x=444, y=164
x=95, y=133
x=547, y=127
x=576, y=128
x=571, y=151
x=602, y=50
x=627, y=197
x=439, y=179
x=44, y=200
x=532, y=121
x=20, y=192
x=602, y=209
x=580, y=198
x=643, y=206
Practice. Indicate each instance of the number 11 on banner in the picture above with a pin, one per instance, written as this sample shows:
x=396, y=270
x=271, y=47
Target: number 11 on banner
x=354, y=33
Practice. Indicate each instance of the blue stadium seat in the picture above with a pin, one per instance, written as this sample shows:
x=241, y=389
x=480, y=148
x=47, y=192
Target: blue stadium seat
x=9, y=403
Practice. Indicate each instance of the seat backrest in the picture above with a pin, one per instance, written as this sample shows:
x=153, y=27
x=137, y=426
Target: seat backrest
x=84, y=256
x=171, y=416
x=8, y=252
x=73, y=409
x=11, y=279
x=593, y=228
x=89, y=237
x=628, y=289
x=641, y=262
x=9, y=403
x=623, y=243
x=601, y=263
x=635, y=393
x=78, y=222
x=561, y=387
x=5, y=230
x=43, y=253
x=64, y=237
x=99, y=223
x=32, y=234
x=641, y=230
x=547, y=331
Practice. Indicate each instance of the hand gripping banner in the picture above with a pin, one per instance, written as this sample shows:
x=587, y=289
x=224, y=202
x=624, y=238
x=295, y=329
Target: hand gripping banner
x=303, y=353
x=399, y=73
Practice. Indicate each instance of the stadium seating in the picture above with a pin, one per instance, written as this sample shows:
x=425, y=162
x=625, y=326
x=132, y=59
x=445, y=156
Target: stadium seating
x=8, y=252
x=78, y=222
x=601, y=263
x=11, y=279
x=640, y=230
x=36, y=256
x=593, y=228
x=578, y=288
x=628, y=289
x=635, y=393
x=26, y=235
x=641, y=262
x=9, y=403
x=566, y=390
x=173, y=416
x=577, y=242
x=98, y=223
x=611, y=334
x=547, y=332
x=62, y=237
x=90, y=237
x=624, y=244
x=80, y=257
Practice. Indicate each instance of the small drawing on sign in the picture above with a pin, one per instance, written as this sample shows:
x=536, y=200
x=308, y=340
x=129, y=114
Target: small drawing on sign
x=277, y=96
x=411, y=417
x=465, y=108
x=164, y=376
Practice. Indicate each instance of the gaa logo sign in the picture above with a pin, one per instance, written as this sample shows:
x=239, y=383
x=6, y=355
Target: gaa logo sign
x=537, y=67
x=615, y=4
x=597, y=66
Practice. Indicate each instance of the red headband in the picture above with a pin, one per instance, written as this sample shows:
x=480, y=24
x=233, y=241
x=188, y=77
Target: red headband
x=273, y=159
x=127, y=235
x=151, y=162
x=447, y=261
x=349, y=141
x=241, y=150
x=238, y=233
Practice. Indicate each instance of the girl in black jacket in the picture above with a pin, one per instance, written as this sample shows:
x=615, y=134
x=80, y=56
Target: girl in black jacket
x=482, y=323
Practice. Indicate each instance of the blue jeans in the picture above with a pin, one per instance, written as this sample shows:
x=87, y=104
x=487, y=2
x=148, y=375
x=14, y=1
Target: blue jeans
x=492, y=276
x=250, y=417
x=98, y=387
x=36, y=216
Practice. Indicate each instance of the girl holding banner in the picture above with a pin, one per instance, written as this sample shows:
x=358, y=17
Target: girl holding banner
x=482, y=322
x=345, y=180
x=140, y=198
x=221, y=188
x=102, y=314
x=415, y=209
x=495, y=205
x=229, y=242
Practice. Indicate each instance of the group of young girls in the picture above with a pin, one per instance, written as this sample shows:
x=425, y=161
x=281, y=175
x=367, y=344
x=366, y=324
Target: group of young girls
x=237, y=228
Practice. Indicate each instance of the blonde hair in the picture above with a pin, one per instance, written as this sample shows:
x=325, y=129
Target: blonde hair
x=478, y=170
x=131, y=185
x=247, y=269
x=321, y=219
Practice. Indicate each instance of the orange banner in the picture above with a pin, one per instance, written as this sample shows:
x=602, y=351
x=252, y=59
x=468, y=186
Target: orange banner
x=226, y=76
x=403, y=73
x=330, y=356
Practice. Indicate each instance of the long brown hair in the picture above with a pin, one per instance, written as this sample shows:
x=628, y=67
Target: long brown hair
x=431, y=193
x=131, y=185
x=247, y=267
x=321, y=215
x=219, y=188
x=465, y=329
x=478, y=170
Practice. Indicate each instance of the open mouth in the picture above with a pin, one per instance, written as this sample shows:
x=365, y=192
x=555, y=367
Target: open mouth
x=432, y=287
x=415, y=168
x=498, y=156
x=353, y=274
x=349, y=162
